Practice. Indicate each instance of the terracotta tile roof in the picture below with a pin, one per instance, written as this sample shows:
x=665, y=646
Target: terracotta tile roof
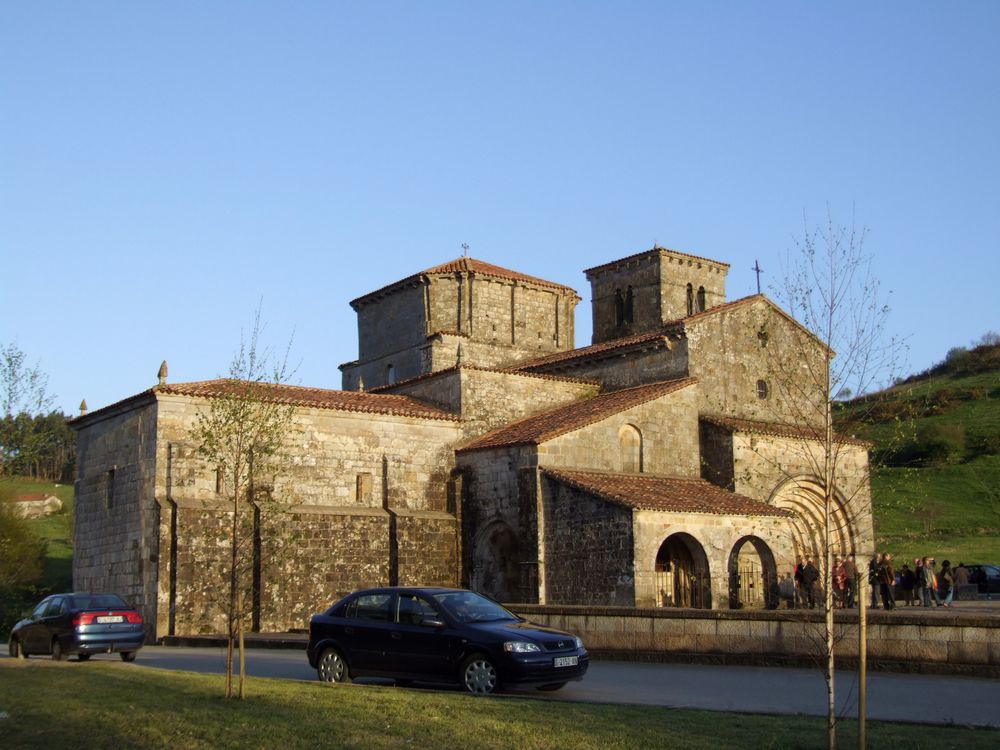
x=651, y=492
x=551, y=424
x=319, y=398
x=637, y=339
x=627, y=258
x=778, y=430
x=466, y=265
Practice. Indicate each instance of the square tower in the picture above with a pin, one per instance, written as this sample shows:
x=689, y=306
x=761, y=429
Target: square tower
x=645, y=291
x=461, y=312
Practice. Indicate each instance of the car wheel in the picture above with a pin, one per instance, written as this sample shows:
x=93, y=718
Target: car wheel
x=16, y=652
x=552, y=686
x=479, y=676
x=127, y=655
x=332, y=667
x=83, y=657
x=57, y=651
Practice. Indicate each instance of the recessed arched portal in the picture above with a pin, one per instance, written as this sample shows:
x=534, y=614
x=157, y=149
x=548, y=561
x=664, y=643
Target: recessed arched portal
x=494, y=563
x=682, y=577
x=804, y=497
x=753, y=575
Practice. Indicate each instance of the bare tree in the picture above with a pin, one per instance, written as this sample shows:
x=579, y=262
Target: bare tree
x=241, y=432
x=844, y=346
x=23, y=396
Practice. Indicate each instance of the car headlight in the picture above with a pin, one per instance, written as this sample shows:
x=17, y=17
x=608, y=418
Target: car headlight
x=579, y=642
x=520, y=647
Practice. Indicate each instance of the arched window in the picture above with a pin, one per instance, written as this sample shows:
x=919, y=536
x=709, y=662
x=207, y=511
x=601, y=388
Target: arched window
x=630, y=441
x=762, y=389
x=690, y=299
x=701, y=298
x=619, y=308
x=390, y=374
x=628, y=306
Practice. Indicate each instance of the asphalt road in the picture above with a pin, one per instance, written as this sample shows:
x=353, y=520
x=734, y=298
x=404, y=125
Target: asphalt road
x=891, y=696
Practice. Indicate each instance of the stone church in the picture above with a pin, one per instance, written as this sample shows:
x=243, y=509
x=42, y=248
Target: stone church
x=670, y=463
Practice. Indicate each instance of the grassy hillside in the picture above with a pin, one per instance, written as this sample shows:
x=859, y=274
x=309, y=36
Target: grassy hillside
x=56, y=530
x=936, y=489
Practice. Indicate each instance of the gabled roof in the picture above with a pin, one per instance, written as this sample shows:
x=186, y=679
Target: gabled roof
x=551, y=424
x=778, y=430
x=654, y=250
x=293, y=395
x=465, y=265
x=674, y=494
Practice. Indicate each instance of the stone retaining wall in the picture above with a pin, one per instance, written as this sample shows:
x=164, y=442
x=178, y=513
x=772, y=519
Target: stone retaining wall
x=963, y=642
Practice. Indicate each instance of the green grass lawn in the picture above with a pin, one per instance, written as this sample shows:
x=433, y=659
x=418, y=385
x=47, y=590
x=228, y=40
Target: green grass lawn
x=114, y=705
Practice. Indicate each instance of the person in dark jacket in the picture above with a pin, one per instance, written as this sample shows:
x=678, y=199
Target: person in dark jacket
x=906, y=581
x=809, y=577
x=886, y=581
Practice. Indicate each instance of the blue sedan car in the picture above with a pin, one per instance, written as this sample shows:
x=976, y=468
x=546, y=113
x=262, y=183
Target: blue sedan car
x=81, y=624
x=440, y=635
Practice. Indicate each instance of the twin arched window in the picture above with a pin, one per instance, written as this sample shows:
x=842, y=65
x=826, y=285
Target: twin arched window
x=691, y=309
x=624, y=314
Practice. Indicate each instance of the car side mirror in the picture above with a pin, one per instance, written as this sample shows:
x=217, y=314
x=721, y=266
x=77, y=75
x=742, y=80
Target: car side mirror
x=430, y=622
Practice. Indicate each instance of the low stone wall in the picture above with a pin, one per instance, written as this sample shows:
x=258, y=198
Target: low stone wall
x=959, y=642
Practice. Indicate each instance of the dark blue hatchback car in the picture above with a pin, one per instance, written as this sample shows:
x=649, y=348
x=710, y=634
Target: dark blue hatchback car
x=440, y=635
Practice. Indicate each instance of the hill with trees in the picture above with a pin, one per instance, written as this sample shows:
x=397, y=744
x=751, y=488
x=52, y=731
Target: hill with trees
x=936, y=436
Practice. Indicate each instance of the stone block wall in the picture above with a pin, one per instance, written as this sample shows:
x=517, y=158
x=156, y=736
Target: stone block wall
x=656, y=362
x=729, y=356
x=392, y=322
x=427, y=548
x=117, y=520
x=588, y=548
x=961, y=644
x=668, y=425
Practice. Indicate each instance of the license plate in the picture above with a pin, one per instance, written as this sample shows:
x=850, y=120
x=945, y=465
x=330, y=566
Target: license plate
x=110, y=618
x=566, y=661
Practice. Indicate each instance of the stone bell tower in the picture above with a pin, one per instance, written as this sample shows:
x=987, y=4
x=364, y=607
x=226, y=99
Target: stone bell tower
x=643, y=292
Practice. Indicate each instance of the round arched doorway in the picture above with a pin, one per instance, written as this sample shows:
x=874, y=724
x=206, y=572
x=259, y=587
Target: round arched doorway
x=682, y=577
x=804, y=497
x=753, y=575
x=494, y=563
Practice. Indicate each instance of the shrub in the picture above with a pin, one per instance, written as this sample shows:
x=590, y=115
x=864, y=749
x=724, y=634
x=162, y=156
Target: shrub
x=940, y=443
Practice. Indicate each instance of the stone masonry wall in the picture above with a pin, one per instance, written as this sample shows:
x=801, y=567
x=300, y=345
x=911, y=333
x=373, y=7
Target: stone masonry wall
x=728, y=357
x=637, y=367
x=771, y=468
x=392, y=323
x=588, y=548
x=339, y=473
x=669, y=429
x=116, y=530
x=427, y=548
x=499, y=502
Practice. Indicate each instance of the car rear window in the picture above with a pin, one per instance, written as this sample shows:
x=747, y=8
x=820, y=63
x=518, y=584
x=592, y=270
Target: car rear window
x=370, y=607
x=98, y=601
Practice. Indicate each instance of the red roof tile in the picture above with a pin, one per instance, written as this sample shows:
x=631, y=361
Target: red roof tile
x=32, y=497
x=651, y=492
x=319, y=398
x=778, y=430
x=541, y=427
x=627, y=258
x=466, y=265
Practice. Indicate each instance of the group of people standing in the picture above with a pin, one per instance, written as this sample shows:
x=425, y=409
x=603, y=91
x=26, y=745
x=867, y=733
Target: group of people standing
x=922, y=583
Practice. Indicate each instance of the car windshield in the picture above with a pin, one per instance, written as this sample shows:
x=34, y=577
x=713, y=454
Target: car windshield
x=466, y=606
x=98, y=601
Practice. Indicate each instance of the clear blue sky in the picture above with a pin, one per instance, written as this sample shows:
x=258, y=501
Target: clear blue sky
x=163, y=166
